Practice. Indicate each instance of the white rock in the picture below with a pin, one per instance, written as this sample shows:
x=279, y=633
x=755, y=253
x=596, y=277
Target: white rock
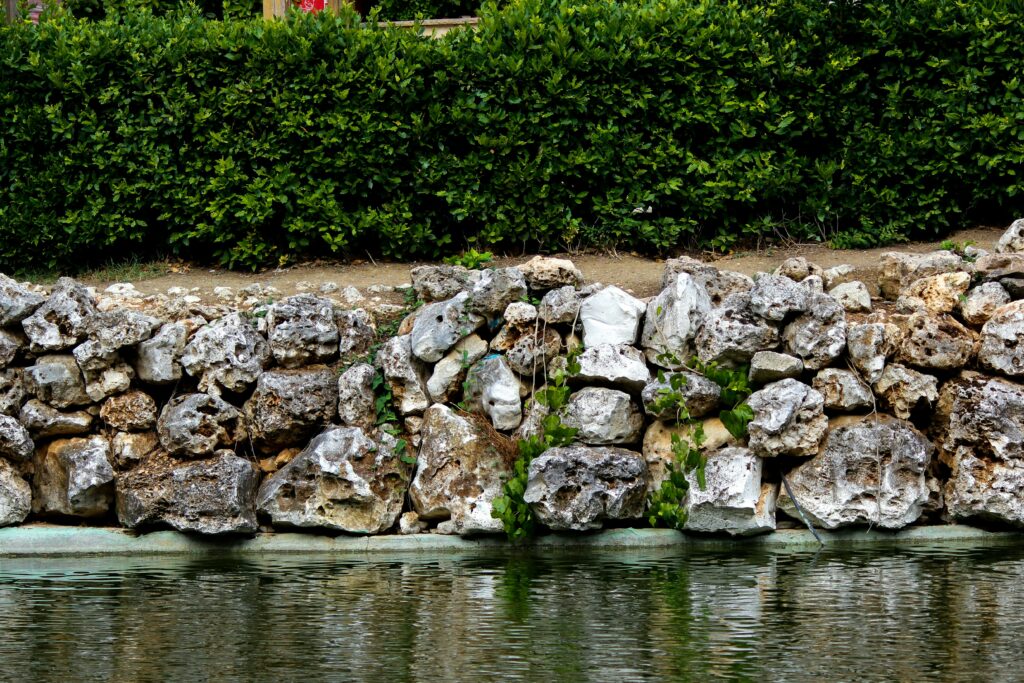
x=620, y=366
x=982, y=302
x=603, y=416
x=733, y=501
x=843, y=390
x=852, y=296
x=440, y=325
x=449, y=372
x=405, y=374
x=1012, y=241
x=672, y=321
x=610, y=317
x=494, y=390
x=788, y=419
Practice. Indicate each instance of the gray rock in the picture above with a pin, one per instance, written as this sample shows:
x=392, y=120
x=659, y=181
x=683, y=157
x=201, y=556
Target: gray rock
x=798, y=268
x=935, y=294
x=1002, y=341
x=301, y=330
x=63, y=320
x=15, y=442
x=622, y=367
x=11, y=344
x=439, y=326
x=211, y=496
x=733, y=500
x=134, y=411
x=732, y=334
x=837, y=275
x=788, y=419
x=992, y=267
x=870, y=345
x=228, y=353
x=818, y=336
x=405, y=374
x=1012, y=241
x=533, y=351
x=494, y=390
x=578, y=487
x=699, y=396
x=56, y=380
x=118, y=328
x=74, y=477
x=1014, y=286
x=459, y=473
x=356, y=398
x=12, y=391
x=610, y=316
x=902, y=390
x=436, y=283
x=16, y=302
x=130, y=448
x=982, y=302
x=449, y=372
x=43, y=422
x=770, y=366
x=854, y=296
x=356, y=333
x=495, y=289
x=196, y=425
x=936, y=342
x=158, y=358
x=775, y=297
x=869, y=472
x=560, y=305
x=672, y=321
x=843, y=390
x=899, y=269
x=289, y=406
x=544, y=273
x=719, y=284
x=603, y=416
x=104, y=371
x=342, y=480
x=15, y=496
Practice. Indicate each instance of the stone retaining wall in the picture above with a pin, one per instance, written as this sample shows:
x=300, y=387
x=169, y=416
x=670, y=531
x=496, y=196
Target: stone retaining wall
x=163, y=411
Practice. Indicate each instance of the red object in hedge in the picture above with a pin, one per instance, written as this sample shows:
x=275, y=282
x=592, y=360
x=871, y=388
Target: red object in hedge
x=312, y=6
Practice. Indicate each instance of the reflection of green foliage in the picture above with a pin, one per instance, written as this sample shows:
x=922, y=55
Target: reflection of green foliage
x=514, y=590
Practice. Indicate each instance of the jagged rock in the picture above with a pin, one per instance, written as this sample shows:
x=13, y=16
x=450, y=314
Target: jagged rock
x=870, y=345
x=719, y=284
x=982, y=302
x=130, y=448
x=342, y=480
x=74, y=477
x=1002, y=341
x=898, y=269
x=495, y=289
x=410, y=523
x=837, y=275
x=732, y=333
x=290, y=406
x=355, y=396
x=797, y=268
x=935, y=294
x=196, y=425
x=657, y=446
x=134, y=411
x=16, y=302
x=493, y=389
x=10, y=344
x=733, y=500
x=56, y=380
x=935, y=342
x=672, y=320
x=520, y=314
x=356, y=332
x=459, y=473
x=902, y=389
x=992, y=267
x=560, y=305
x=118, y=328
x=854, y=296
x=603, y=416
x=301, y=330
x=450, y=371
x=788, y=419
x=405, y=375
x=158, y=359
x=621, y=366
x=436, y=283
x=817, y=336
x=699, y=396
x=63, y=320
x=775, y=297
x=15, y=496
x=104, y=372
x=533, y=351
x=868, y=472
x=610, y=317
x=579, y=487
x=1012, y=241
x=1014, y=286
x=770, y=366
x=440, y=325
x=227, y=353
x=42, y=421
x=212, y=496
x=548, y=273
x=843, y=390
x=12, y=391
x=15, y=442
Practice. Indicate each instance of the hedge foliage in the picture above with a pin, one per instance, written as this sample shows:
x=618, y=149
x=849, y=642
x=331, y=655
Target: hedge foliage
x=559, y=122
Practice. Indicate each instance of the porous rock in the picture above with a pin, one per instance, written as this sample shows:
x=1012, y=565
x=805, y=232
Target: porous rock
x=15, y=442
x=73, y=477
x=898, y=269
x=356, y=332
x=63, y=320
x=696, y=394
x=611, y=316
x=494, y=390
x=842, y=390
x=12, y=390
x=436, y=283
x=982, y=302
x=903, y=390
x=935, y=294
x=495, y=289
x=289, y=406
x=115, y=329
x=733, y=499
x=16, y=302
x=157, y=360
x=134, y=411
x=57, y=381
x=1002, y=341
x=1012, y=241
x=130, y=448
x=228, y=353
x=732, y=333
x=440, y=325
x=817, y=336
x=560, y=305
x=544, y=273
x=672, y=321
x=196, y=425
x=853, y=296
x=301, y=330
x=533, y=350
x=619, y=366
x=870, y=345
x=719, y=284
x=788, y=419
x=405, y=374
x=775, y=297
x=935, y=342
x=657, y=445
x=10, y=344
x=603, y=416
x=43, y=421
x=15, y=495
x=355, y=396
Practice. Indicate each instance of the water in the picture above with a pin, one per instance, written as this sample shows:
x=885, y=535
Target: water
x=885, y=614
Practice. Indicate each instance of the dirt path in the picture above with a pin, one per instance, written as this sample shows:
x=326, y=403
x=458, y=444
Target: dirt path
x=641, y=276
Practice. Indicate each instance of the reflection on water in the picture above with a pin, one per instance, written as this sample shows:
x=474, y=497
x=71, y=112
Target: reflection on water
x=910, y=614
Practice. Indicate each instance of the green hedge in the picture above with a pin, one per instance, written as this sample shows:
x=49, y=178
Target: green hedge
x=556, y=124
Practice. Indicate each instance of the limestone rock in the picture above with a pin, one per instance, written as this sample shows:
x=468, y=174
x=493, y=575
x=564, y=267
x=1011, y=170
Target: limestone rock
x=290, y=406
x=15, y=442
x=775, y=297
x=227, y=353
x=15, y=494
x=356, y=332
x=770, y=366
x=158, y=359
x=459, y=473
x=868, y=472
x=543, y=273
x=902, y=390
x=936, y=342
x=104, y=371
x=12, y=391
x=42, y=421
x=118, y=328
x=130, y=448
x=733, y=500
x=211, y=496
x=74, y=477
x=494, y=390
x=699, y=395
x=560, y=305
x=11, y=344
x=992, y=267
x=440, y=325
x=719, y=284
x=842, y=390
x=446, y=379
x=196, y=425
x=342, y=480
x=788, y=419
x=621, y=367
x=935, y=294
x=533, y=351
x=63, y=320
x=817, y=336
x=356, y=401
x=405, y=374
x=899, y=269
x=520, y=314
x=672, y=321
x=603, y=416
x=436, y=283
x=57, y=381
x=410, y=523
x=579, y=487
x=134, y=411
x=302, y=330
x=16, y=302
x=1002, y=341
x=854, y=296
x=732, y=333
x=495, y=289
x=838, y=275
x=870, y=345
x=982, y=302
x=610, y=316
x=1012, y=241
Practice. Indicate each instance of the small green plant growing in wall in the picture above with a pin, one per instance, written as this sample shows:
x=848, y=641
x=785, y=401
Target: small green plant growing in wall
x=471, y=259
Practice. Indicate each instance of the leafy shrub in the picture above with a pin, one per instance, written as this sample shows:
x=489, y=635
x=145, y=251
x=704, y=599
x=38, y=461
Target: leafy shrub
x=431, y=9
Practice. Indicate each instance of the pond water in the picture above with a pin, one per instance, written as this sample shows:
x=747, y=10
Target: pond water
x=883, y=614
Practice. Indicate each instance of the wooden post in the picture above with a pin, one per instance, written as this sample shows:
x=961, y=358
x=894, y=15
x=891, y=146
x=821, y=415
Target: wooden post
x=10, y=10
x=278, y=8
